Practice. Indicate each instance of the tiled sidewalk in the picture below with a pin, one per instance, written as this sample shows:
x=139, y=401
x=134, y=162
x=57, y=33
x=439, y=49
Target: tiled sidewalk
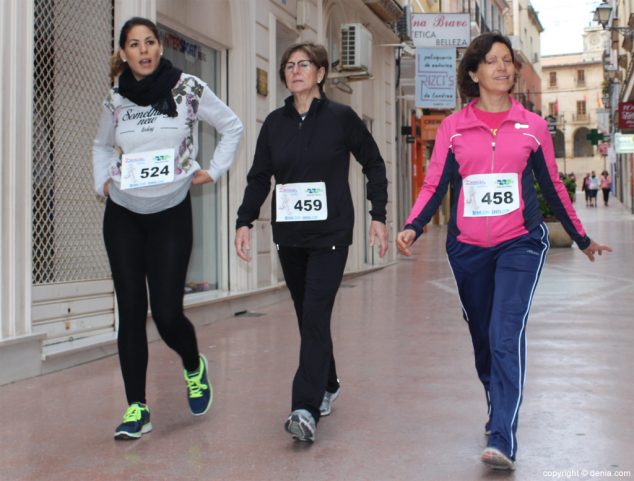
x=411, y=407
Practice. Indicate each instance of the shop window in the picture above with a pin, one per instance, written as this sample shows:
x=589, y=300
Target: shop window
x=203, y=62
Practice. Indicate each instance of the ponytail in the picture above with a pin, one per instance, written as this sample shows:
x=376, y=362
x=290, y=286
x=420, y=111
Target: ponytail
x=117, y=65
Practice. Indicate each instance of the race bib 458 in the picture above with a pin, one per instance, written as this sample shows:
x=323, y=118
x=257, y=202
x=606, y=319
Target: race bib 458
x=488, y=195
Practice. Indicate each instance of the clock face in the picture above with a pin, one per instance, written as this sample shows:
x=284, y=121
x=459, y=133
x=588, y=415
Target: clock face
x=593, y=40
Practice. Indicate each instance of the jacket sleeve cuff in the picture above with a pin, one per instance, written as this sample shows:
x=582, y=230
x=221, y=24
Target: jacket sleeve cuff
x=584, y=242
x=419, y=232
x=243, y=224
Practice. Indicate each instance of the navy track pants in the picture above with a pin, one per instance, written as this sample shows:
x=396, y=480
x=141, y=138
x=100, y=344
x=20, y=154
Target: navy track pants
x=496, y=287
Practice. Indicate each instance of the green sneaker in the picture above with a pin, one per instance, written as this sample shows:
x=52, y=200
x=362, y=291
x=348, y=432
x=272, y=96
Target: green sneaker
x=200, y=392
x=136, y=421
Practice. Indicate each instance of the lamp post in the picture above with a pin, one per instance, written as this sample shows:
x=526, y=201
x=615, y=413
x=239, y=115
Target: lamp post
x=602, y=14
x=563, y=131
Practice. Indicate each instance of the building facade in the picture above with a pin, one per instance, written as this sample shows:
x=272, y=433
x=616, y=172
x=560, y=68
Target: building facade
x=523, y=27
x=619, y=89
x=572, y=94
x=58, y=305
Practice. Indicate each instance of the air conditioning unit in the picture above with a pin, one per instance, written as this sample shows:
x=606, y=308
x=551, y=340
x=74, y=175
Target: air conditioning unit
x=356, y=48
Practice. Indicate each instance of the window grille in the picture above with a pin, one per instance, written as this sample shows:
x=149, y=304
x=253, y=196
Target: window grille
x=72, y=46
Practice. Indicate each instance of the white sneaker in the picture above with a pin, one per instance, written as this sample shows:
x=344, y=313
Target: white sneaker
x=301, y=425
x=326, y=404
x=496, y=459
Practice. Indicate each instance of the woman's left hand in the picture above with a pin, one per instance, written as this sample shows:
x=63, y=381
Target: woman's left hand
x=378, y=230
x=201, y=177
x=595, y=248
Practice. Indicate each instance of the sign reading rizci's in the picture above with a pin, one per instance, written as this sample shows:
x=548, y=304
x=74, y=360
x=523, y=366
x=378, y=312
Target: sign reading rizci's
x=436, y=78
x=441, y=29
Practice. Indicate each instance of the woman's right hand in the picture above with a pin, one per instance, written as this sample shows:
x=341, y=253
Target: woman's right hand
x=404, y=240
x=243, y=243
x=106, y=188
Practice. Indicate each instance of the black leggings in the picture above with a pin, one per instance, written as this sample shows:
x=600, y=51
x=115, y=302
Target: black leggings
x=156, y=248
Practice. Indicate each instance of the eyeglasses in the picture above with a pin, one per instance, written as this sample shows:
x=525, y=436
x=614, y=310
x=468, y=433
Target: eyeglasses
x=303, y=65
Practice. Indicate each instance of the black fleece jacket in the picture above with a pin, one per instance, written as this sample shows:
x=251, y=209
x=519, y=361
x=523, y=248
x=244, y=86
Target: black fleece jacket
x=316, y=149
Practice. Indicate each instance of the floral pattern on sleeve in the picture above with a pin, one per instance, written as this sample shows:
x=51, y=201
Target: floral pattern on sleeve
x=188, y=91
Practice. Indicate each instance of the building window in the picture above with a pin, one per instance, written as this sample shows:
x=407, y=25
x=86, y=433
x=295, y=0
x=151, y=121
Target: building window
x=203, y=62
x=552, y=108
x=581, y=77
x=581, y=110
x=552, y=79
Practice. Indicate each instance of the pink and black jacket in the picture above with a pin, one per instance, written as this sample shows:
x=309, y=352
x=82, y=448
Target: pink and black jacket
x=466, y=146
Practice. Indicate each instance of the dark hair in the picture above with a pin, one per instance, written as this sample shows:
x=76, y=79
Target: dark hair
x=316, y=53
x=116, y=64
x=474, y=56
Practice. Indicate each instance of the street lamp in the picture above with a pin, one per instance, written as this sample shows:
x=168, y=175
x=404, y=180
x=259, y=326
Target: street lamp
x=602, y=15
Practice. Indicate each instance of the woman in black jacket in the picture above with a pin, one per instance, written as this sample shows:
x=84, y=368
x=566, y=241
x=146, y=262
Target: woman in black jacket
x=305, y=145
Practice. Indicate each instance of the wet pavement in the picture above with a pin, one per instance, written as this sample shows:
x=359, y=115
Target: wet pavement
x=411, y=406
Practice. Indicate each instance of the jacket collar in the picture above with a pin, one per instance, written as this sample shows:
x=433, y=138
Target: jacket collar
x=468, y=118
x=315, y=105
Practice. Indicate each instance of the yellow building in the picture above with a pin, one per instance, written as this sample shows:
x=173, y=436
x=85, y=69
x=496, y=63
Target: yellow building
x=572, y=93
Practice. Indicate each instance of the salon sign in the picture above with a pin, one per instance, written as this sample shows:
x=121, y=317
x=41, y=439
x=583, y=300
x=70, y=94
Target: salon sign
x=441, y=30
x=435, y=78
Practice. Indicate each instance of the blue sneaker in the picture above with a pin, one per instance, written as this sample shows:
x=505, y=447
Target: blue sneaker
x=136, y=422
x=200, y=392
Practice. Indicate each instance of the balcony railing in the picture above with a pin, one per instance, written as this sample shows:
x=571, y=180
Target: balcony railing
x=577, y=117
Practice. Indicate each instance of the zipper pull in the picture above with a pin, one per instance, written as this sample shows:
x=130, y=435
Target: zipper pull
x=493, y=145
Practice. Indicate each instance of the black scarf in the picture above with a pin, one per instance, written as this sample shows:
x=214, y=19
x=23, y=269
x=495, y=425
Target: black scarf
x=154, y=90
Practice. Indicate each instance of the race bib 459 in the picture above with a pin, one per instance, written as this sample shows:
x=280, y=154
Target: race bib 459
x=301, y=201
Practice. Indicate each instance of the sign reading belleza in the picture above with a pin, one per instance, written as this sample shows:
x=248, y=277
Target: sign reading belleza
x=441, y=29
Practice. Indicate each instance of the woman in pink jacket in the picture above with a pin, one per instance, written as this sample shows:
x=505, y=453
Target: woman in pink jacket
x=489, y=153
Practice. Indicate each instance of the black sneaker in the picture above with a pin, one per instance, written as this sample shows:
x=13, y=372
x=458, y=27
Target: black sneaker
x=136, y=422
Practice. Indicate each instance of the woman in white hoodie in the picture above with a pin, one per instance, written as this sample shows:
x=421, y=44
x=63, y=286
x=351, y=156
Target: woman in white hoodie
x=144, y=161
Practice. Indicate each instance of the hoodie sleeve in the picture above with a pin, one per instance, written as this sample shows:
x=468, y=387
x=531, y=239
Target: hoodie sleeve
x=103, y=150
x=554, y=190
x=436, y=182
x=217, y=114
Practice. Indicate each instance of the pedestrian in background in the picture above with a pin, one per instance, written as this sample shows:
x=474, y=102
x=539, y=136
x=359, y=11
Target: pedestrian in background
x=489, y=153
x=305, y=146
x=144, y=162
x=606, y=186
x=593, y=187
x=586, y=188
